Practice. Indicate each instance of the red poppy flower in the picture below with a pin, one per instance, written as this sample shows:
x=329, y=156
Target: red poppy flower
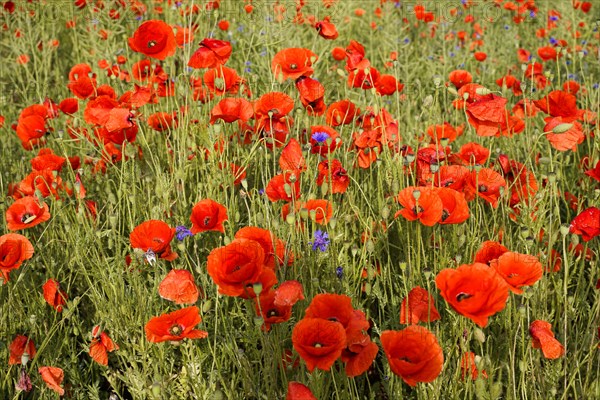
x=355, y=52
x=319, y=210
x=326, y=29
x=520, y=180
x=288, y=293
x=489, y=251
x=485, y=183
x=82, y=81
x=586, y=224
x=274, y=248
x=272, y=107
x=208, y=215
x=543, y=337
x=333, y=173
x=364, y=76
x=564, y=135
x=311, y=95
x=21, y=344
x=162, y=121
x=469, y=366
x=14, y=249
x=417, y=307
x=332, y=307
x=283, y=187
x=470, y=154
x=291, y=160
x=270, y=312
x=46, y=182
x=594, y=173
x=444, y=131
x=451, y=176
x=31, y=125
x=237, y=266
x=293, y=63
x=222, y=80
x=25, y=213
x=387, y=85
x=510, y=82
x=46, y=159
x=101, y=345
x=360, y=352
x=414, y=354
x=69, y=105
x=460, y=77
x=53, y=377
x=518, y=270
x=54, y=295
x=571, y=86
x=488, y=115
x=420, y=203
x=559, y=103
x=319, y=342
x=154, y=39
x=455, y=209
x=175, y=326
x=179, y=286
x=154, y=235
x=211, y=54
x=341, y=113
x=298, y=391
x=480, y=56
x=547, y=53
x=232, y=109
x=475, y=291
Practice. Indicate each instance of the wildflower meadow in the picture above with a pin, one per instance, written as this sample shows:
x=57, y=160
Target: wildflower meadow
x=299, y=199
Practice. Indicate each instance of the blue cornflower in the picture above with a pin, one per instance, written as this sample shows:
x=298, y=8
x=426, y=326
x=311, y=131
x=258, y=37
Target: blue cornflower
x=321, y=241
x=261, y=192
x=532, y=14
x=181, y=232
x=339, y=271
x=553, y=40
x=320, y=136
x=554, y=18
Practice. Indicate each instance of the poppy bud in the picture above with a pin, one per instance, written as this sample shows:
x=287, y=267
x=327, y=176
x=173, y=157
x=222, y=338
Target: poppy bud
x=482, y=91
x=562, y=128
x=206, y=307
x=290, y=219
x=479, y=336
x=257, y=288
x=24, y=358
x=156, y=391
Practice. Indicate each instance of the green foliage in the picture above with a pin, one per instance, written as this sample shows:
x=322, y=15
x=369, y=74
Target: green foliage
x=169, y=173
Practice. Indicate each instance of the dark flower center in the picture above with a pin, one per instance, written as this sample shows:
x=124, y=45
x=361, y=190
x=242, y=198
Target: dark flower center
x=318, y=345
x=151, y=44
x=445, y=215
x=272, y=313
x=207, y=221
x=482, y=188
x=417, y=209
x=463, y=296
x=293, y=66
x=176, y=330
x=27, y=218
